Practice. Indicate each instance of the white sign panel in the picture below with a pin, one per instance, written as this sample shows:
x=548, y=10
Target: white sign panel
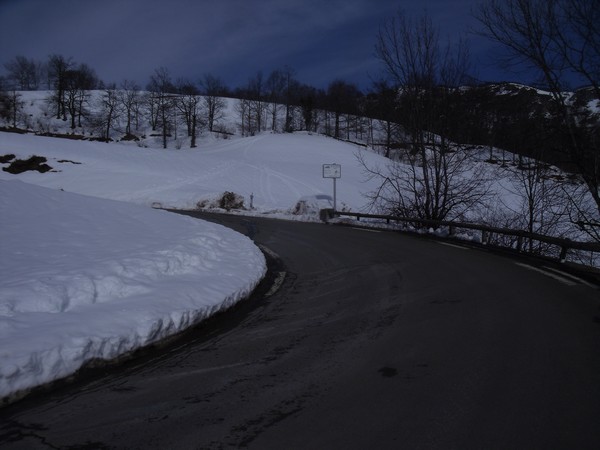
x=332, y=171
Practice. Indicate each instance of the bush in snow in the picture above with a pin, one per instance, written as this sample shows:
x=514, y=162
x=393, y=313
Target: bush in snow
x=231, y=200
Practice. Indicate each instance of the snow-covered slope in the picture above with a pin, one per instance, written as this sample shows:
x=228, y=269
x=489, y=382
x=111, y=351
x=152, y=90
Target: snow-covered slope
x=85, y=278
x=89, y=270
x=276, y=169
x=99, y=274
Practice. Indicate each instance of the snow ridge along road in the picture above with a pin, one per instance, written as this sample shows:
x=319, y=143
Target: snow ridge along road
x=86, y=279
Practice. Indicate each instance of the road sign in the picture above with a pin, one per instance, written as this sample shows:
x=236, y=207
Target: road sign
x=332, y=171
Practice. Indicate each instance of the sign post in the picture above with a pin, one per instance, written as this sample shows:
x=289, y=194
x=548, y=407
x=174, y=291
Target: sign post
x=332, y=171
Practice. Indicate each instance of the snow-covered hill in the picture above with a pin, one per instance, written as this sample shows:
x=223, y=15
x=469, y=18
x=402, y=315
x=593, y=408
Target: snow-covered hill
x=91, y=271
x=275, y=169
x=86, y=263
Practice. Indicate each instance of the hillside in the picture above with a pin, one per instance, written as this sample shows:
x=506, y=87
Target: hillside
x=88, y=278
x=520, y=119
x=71, y=251
x=271, y=172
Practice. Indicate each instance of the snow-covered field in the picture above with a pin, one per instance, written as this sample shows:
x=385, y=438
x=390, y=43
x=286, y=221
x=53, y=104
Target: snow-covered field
x=276, y=169
x=90, y=270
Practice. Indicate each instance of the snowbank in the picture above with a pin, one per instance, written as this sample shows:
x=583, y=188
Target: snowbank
x=85, y=278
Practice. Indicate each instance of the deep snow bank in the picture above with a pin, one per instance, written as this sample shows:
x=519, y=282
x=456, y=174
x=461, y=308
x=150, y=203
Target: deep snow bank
x=86, y=278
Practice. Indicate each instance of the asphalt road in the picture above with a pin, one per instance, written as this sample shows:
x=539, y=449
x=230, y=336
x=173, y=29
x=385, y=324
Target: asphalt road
x=373, y=340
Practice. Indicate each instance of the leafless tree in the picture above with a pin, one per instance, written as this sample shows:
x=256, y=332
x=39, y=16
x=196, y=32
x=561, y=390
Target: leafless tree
x=11, y=106
x=188, y=103
x=558, y=38
x=110, y=109
x=77, y=84
x=24, y=73
x=256, y=91
x=57, y=68
x=291, y=91
x=540, y=206
x=244, y=113
x=436, y=178
x=275, y=85
x=307, y=99
x=341, y=101
x=252, y=107
x=161, y=101
x=213, y=90
x=382, y=107
x=129, y=97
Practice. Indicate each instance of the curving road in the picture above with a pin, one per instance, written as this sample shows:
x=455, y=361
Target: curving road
x=373, y=340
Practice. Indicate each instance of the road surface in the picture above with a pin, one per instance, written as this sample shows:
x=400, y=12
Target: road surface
x=373, y=340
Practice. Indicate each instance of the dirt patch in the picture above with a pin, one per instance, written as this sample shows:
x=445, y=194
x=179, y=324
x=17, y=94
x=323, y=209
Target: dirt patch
x=6, y=158
x=130, y=137
x=37, y=163
x=13, y=130
x=74, y=137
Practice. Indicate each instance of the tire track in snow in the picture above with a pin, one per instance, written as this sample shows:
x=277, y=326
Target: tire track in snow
x=266, y=186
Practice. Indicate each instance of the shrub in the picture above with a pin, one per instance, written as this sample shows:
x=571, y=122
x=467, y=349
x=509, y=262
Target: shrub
x=231, y=200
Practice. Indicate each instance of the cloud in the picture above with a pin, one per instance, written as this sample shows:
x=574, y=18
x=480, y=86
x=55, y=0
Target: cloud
x=322, y=40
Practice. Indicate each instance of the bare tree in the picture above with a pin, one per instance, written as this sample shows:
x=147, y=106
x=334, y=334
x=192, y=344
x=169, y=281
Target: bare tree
x=436, y=179
x=57, y=68
x=188, y=104
x=275, y=85
x=11, y=106
x=161, y=100
x=256, y=92
x=341, y=99
x=539, y=207
x=449, y=186
x=252, y=107
x=558, y=38
x=129, y=96
x=307, y=99
x=77, y=83
x=214, y=104
x=244, y=112
x=110, y=109
x=24, y=73
x=382, y=106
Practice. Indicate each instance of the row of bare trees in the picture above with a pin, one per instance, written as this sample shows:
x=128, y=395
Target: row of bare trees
x=436, y=178
x=277, y=102
x=559, y=38
x=163, y=103
x=167, y=103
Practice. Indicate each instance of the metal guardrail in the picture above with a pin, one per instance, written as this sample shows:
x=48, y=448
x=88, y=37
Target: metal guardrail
x=486, y=232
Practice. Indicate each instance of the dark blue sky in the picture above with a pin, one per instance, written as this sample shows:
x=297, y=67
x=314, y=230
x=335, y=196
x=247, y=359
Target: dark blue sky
x=321, y=40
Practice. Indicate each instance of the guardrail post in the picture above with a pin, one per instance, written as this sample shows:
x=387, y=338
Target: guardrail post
x=519, y=243
x=563, y=253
